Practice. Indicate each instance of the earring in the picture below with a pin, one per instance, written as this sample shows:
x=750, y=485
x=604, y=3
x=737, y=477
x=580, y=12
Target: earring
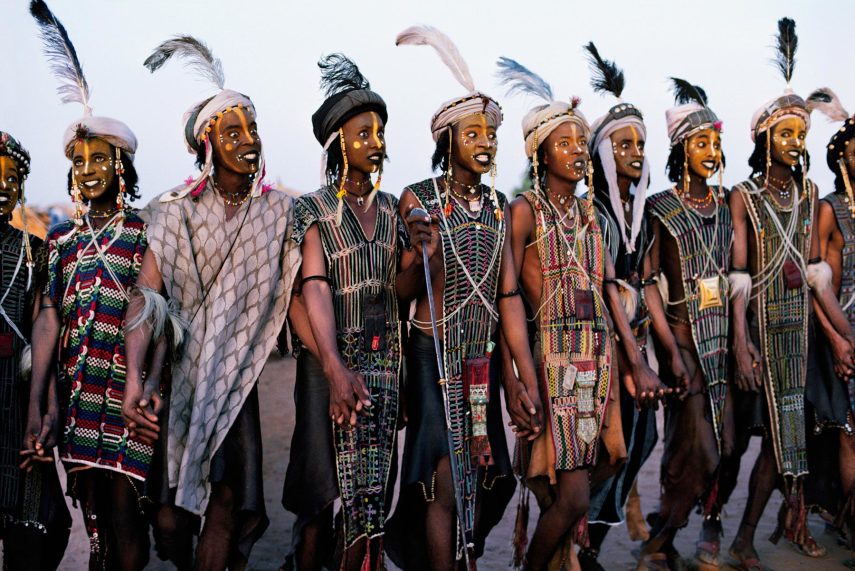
x=589, y=173
x=342, y=192
x=721, y=182
x=448, y=176
x=687, y=179
x=534, y=164
x=78, y=201
x=768, y=154
x=497, y=212
x=120, y=170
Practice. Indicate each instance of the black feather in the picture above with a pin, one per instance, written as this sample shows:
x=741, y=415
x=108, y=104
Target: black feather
x=605, y=75
x=685, y=92
x=339, y=74
x=61, y=55
x=821, y=95
x=786, y=45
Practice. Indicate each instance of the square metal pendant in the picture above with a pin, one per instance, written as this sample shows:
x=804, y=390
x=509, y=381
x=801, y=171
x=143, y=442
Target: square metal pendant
x=709, y=293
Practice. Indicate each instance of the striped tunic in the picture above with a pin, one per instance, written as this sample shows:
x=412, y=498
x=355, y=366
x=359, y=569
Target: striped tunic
x=360, y=267
x=88, y=289
x=846, y=223
x=703, y=245
x=575, y=350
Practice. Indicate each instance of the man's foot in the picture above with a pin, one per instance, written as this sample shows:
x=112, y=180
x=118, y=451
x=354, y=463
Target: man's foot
x=675, y=561
x=588, y=560
x=708, y=546
x=745, y=556
x=635, y=525
x=810, y=547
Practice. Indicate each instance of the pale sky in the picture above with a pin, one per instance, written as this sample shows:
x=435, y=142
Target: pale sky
x=269, y=50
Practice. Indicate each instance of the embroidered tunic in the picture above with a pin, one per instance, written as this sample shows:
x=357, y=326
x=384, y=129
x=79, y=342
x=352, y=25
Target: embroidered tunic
x=361, y=267
x=89, y=274
x=575, y=348
x=703, y=244
x=846, y=224
x=783, y=314
x=472, y=249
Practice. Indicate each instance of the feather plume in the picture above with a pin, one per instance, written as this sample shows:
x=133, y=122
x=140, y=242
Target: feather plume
x=339, y=73
x=786, y=44
x=606, y=76
x=198, y=56
x=826, y=102
x=520, y=79
x=430, y=36
x=62, y=56
x=685, y=92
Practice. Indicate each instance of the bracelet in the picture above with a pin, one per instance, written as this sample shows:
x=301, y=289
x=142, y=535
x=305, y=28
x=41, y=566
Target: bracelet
x=512, y=293
x=739, y=270
x=317, y=277
x=816, y=260
x=654, y=279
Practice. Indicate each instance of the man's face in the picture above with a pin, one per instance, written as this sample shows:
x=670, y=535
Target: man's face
x=94, y=167
x=788, y=141
x=704, y=153
x=237, y=147
x=566, y=152
x=473, y=144
x=10, y=185
x=365, y=141
x=628, y=148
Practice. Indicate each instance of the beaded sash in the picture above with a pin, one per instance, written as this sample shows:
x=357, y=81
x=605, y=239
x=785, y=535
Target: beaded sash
x=846, y=223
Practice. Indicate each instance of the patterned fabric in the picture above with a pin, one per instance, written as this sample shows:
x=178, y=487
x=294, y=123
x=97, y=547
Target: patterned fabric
x=783, y=319
x=232, y=332
x=575, y=348
x=361, y=266
x=840, y=203
x=14, y=391
x=703, y=244
x=472, y=250
x=89, y=274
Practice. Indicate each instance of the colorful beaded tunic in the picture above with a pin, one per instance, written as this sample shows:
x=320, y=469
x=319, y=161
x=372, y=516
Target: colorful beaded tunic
x=472, y=249
x=846, y=224
x=20, y=491
x=89, y=275
x=362, y=267
x=783, y=238
x=575, y=348
x=703, y=244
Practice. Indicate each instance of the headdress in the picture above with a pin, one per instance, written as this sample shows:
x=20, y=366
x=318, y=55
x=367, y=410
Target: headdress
x=10, y=147
x=789, y=104
x=198, y=121
x=543, y=119
x=691, y=115
x=607, y=77
x=75, y=89
x=826, y=102
x=348, y=93
x=455, y=110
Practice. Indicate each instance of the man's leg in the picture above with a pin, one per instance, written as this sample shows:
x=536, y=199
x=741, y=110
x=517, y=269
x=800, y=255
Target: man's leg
x=847, y=481
x=215, y=541
x=316, y=542
x=129, y=527
x=174, y=531
x=764, y=478
x=441, y=514
x=570, y=505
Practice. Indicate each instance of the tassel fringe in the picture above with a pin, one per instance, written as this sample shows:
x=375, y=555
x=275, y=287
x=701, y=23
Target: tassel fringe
x=819, y=276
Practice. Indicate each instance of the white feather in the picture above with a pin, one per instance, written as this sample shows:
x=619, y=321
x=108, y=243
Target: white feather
x=430, y=36
x=826, y=102
x=819, y=276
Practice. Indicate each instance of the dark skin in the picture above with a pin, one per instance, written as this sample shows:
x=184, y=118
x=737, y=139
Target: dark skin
x=628, y=148
x=365, y=148
x=787, y=144
x=704, y=158
x=565, y=162
x=831, y=246
x=473, y=148
x=236, y=152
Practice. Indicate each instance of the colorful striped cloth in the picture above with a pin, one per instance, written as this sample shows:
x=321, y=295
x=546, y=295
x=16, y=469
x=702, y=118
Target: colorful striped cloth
x=89, y=290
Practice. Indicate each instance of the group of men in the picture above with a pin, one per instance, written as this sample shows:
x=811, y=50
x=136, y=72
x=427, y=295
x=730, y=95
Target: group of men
x=150, y=329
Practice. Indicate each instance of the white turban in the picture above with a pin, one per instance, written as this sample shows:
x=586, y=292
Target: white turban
x=776, y=110
x=544, y=119
x=685, y=120
x=111, y=130
x=454, y=110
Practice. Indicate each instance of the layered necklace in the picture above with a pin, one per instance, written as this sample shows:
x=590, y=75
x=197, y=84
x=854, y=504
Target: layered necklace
x=696, y=203
x=233, y=198
x=360, y=198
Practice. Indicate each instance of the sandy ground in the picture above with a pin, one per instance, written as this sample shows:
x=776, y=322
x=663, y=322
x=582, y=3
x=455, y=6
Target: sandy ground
x=277, y=412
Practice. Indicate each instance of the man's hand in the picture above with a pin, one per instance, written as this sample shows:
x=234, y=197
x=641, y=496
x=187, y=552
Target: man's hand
x=645, y=387
x=423, y=229
x=844, y=365
x=749, y=367
x=40, y=438
x=141, y=405
x=348, y=396
x=524, y=408
x=679, y=371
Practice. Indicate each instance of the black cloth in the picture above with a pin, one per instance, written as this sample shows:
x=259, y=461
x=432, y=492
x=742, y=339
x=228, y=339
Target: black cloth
x=340, y=107
x=238, y=464
x=426, y=443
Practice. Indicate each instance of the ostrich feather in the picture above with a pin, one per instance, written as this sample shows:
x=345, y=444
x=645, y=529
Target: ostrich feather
x=430, y=36
x=685, y=92
x=786, y=44
x=520, y=79
x=339, y=73
x=62, y=56
x=198, y=57
x=606, y=76
x=826, y=102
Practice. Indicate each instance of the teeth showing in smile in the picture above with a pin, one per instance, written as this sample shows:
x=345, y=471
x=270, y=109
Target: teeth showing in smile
x=793, y=154
x=91, y=183
x=375, y=158
x=250, y=156
x=635, y=164
x=482, y=158
x=4, y=199
x=580, y=164
x=708, y=164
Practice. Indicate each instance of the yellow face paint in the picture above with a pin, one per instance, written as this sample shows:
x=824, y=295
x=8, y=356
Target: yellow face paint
x=375, y=129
